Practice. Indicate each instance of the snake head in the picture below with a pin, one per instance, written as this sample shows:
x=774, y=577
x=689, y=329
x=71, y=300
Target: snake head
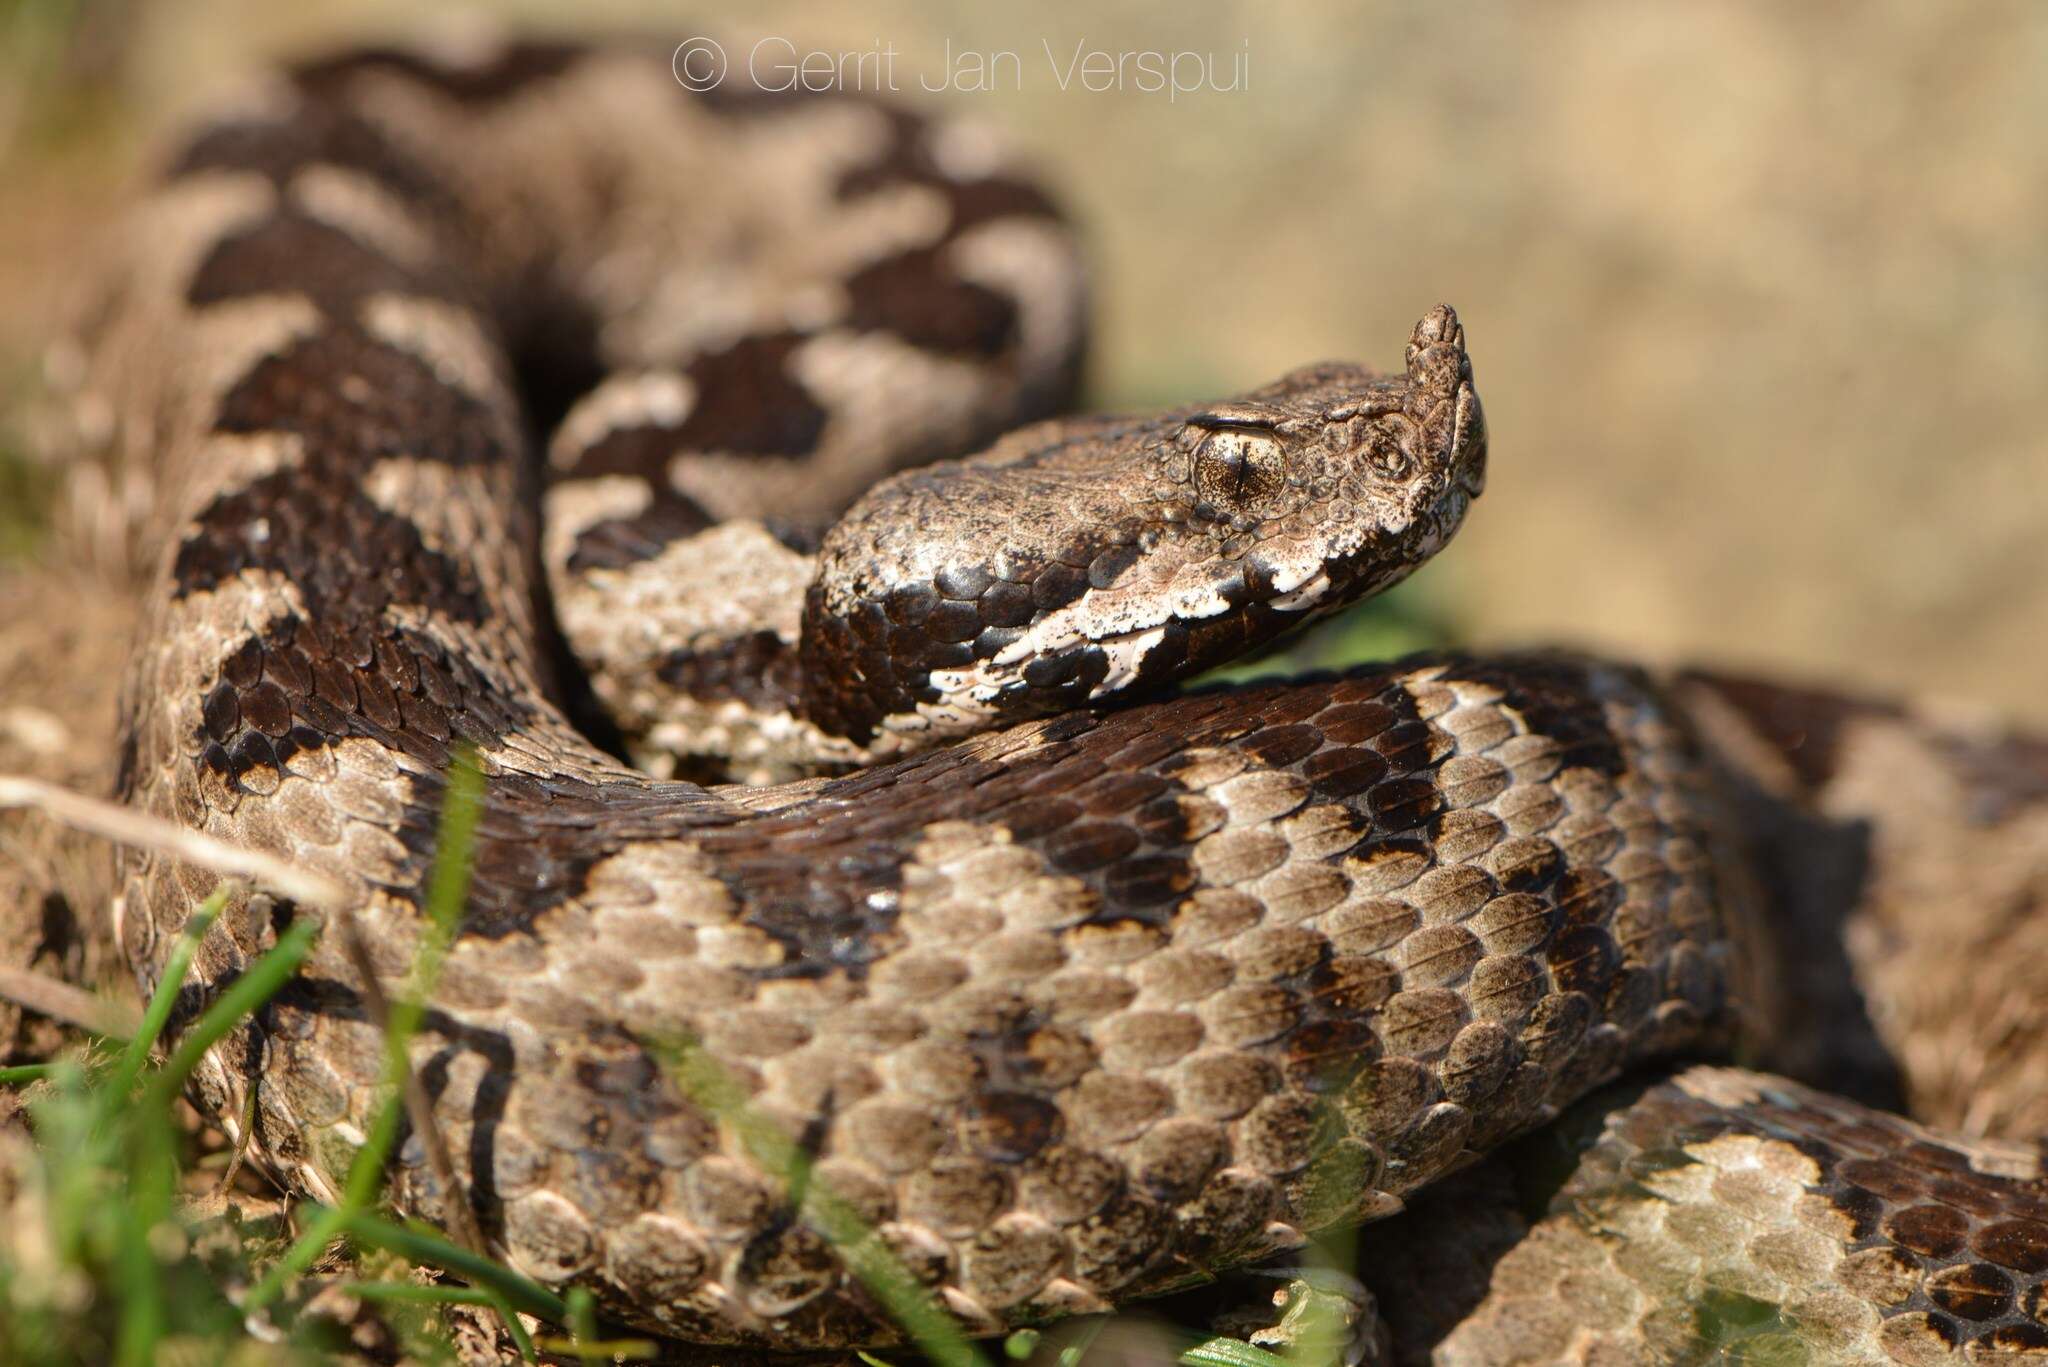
x=1089, y=558
x=1334, y=469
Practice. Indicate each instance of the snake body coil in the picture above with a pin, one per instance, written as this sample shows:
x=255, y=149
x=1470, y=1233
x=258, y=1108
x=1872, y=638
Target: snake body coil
x=1088, y=1004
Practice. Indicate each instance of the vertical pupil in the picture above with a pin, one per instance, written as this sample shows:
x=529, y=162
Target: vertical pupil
x=1230, y=464
x=1232, y=458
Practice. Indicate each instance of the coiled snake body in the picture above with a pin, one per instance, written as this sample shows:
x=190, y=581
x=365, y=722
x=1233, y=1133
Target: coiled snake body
x=1070, y=1000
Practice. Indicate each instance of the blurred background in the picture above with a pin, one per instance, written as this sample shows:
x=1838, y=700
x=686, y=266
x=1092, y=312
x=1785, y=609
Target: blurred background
x=1756, y=292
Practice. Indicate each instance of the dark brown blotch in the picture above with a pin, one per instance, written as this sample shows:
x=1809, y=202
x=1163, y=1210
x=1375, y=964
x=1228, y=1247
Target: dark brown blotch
x=1010, y=1127
x=2021, y=1245
x=291, y=253
x=758, y=668
x=918, y=297
x=356, y=400
x=1583, y=960
x=278, y=148
x=1929, y=1230
x=359, y=562
x=1971, y=1291
x=515, y=68
x=620, y=542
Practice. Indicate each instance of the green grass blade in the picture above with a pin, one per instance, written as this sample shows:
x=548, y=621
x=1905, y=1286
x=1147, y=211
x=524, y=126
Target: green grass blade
x=707, y=1085
x=326, y=1226
x=455, y=847
x=24, y=1074
x=257, y=985
x=447, y=897
x=1228, y=1352
x=177, y=964
x=67, y=1128
x=510, y=1320
x=414, y=1294
x=152, y=1183
x=447, y=894
x=583, y=1325
x=583, y=1343
x=601, y=1351
x=420, y=1246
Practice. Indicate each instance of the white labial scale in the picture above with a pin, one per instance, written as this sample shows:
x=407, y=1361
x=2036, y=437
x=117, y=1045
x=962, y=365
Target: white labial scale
x=1126, y=624
x=1126, y=657
x=1306, y=596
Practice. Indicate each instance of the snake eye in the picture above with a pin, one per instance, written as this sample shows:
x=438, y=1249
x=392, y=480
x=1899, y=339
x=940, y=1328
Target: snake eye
x=1235, y=466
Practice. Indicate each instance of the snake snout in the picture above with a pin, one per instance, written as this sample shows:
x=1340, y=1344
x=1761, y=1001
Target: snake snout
x=1468, y=442
x=1440, y=372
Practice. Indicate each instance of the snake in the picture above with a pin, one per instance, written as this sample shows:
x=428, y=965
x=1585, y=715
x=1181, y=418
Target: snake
x=881, y=790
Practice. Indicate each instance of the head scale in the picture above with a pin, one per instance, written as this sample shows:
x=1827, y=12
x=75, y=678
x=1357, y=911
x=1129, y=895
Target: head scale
x=1080, y=560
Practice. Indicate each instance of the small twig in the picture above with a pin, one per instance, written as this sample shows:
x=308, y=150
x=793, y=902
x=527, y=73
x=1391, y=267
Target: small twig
x=66, y=1004
x=446, y=894
x=418, y=1107
x=246, y=1131
x=130, y=827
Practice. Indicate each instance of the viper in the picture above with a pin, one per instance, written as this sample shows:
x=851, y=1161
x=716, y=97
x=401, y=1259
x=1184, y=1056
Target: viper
x=879, y=781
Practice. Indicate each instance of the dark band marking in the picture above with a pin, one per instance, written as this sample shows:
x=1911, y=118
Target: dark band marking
x=2001, y=773
x=518, y=67
x=1804, y=726
x=907, y=160
x=747, y=403
x=643, y=449
x=747, y=400
x=279, y=148
x=759, y=669
x=356, y=400
x=918, y=297
x=1552, y=698
x=290, y=253
x=299, y=687
x=343, y=552
x=619, y=542
x=1096, y=797
x=975, y=202
x=917, y=294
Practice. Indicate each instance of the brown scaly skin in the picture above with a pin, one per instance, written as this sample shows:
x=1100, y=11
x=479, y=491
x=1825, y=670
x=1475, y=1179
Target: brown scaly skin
x=1077, y=562
x=1904, y=858
x=1073, y=1011
x=1718, y=1213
